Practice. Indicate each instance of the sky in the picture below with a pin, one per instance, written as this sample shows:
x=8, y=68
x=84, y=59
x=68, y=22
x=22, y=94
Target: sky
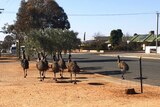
x=98, y=16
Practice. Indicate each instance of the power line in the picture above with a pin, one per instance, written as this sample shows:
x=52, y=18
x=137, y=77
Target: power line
x=112, y=14
x=10, y=12
x=122, y=14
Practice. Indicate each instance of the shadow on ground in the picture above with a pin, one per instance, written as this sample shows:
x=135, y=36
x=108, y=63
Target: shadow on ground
x=102, y=60
x=7, y=59
x=90, y=68
x=113, y=72
x=95, y=83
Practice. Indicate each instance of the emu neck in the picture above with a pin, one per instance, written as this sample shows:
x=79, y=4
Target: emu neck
x=23, y=56
x=119, y=60
x=39, y=56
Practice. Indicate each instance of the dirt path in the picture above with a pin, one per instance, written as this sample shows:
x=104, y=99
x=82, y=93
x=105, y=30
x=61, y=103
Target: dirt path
x=92, y=90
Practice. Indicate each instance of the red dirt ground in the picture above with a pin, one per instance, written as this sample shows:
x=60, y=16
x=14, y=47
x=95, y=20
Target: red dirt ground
x=92, y=90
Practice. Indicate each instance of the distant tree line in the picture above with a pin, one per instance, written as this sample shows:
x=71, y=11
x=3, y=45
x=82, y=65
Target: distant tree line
x=116, y=41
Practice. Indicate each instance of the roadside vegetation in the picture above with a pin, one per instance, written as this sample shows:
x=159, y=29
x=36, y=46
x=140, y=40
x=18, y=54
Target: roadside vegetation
x=41, y=26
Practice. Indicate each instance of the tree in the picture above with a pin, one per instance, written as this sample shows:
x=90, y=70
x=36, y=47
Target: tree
x=0, y=49
x=33, y=17
x=52, y=40
x=116, y=37
x=8, y=41
x=40, y=14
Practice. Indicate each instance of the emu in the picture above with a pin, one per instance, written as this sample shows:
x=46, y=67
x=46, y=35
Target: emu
x=123, y=66
x=42, y=65
x=73, y=68
x=55, y=67
x=24, y=64
x=62, y=66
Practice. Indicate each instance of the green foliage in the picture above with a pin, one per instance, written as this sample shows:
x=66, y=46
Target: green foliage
x=7, y=28
x=40, y=14
x=132, y=46
x=8, y=41
x=95, y=45
x=52, y=40
x=42, y=24
x=116, y=37
x=135, y=46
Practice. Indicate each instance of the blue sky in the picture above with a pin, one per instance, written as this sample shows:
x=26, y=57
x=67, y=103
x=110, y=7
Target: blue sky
x=130, y=24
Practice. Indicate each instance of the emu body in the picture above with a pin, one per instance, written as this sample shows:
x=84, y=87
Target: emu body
x=42, y=66
x=123, y=66
x=55, y=67
x=62, y=66
x=24, y=64
x=73, y=68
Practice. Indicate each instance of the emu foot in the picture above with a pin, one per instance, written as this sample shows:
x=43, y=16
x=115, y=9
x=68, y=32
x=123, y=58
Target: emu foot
x=75, y=82
x=55, y=79
x=25, y=75
x=123, y=78
x=41, y=79
x=62, y=77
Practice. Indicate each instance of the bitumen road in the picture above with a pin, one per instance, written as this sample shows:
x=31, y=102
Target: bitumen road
x=106, y=64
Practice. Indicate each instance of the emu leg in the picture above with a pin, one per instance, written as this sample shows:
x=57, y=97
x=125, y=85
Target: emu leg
x=40, y=72
x=61, y=73
x=43, y=75
x=75, y=81
x=122, y=71
x=55, y=77
x=123, y=76
x=24, y=73
x=71, y=76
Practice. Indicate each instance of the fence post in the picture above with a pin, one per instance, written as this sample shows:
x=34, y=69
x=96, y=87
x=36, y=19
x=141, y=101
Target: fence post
x=141, y=78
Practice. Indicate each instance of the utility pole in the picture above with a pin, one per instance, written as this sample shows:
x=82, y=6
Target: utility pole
x=157, y=31
x=141, y=77
x=84, y=38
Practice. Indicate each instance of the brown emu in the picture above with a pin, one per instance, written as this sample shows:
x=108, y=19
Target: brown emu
x=24, y=64
x=73, y=68
x=123, y=66
x=42, y=65
x=55, y=67
x=62, y=66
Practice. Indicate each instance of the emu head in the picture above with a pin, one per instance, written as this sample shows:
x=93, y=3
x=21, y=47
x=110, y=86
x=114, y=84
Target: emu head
x=43, y=56
x=118, y=61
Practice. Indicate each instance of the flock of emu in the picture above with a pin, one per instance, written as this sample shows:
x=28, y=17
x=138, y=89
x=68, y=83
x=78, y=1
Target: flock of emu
x=57, y=66
x=60, y=65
